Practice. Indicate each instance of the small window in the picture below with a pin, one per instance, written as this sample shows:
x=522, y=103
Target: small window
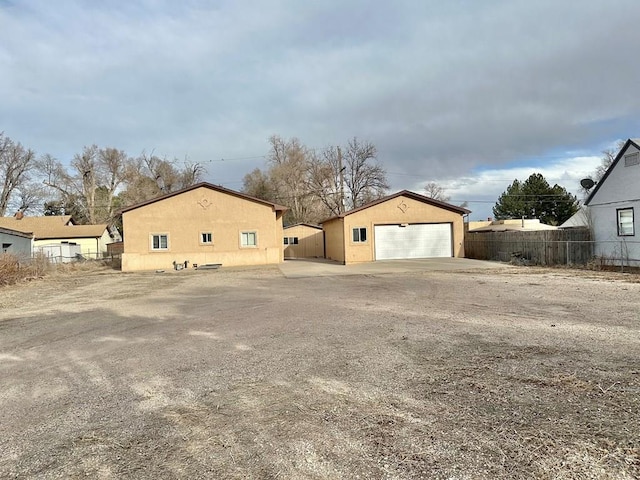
x=248, y=239
x=625, y=222
x=291, y=240
x=286, y=240
x=632, y=159
x=206, y=237
x=359, y=234
x=159, y=242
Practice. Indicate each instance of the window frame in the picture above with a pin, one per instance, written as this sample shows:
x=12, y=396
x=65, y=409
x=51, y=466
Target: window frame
x=359, y=239
x=291, y=241
x=255, y=238
x=160, y=248
x=619, y=223
x=206, y=242
x=632, y=159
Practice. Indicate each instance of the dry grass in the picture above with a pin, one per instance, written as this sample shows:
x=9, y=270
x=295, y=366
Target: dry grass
x=16, y=270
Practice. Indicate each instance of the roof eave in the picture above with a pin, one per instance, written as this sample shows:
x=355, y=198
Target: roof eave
x=624, y=148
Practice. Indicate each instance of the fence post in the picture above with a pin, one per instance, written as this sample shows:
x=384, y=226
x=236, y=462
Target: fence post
x=568, y=263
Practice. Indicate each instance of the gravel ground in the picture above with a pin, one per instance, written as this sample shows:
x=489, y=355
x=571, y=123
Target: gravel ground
x=524, y=373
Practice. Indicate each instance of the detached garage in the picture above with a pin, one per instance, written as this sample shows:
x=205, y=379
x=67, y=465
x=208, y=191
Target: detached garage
x=401, y=226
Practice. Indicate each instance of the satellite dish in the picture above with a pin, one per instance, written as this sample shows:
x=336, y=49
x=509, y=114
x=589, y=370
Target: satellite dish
x=587, y=183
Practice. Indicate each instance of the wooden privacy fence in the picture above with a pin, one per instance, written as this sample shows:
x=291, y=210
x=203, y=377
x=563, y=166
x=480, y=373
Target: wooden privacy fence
x=546, y=247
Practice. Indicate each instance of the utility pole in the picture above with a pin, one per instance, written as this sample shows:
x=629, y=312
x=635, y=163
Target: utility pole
x=341, y=173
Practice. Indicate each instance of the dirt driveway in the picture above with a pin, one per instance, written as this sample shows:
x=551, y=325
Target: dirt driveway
x=247, y=374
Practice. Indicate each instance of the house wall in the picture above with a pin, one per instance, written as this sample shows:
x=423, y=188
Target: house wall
x=92, y=248
x=619, y=190
x=393, y=212
x=310, y=242
x=185, y=216
x=17, y=244
x=334, y=239
x=608, y=245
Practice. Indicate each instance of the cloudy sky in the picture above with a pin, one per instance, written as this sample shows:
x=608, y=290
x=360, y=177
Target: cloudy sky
x=470, y=94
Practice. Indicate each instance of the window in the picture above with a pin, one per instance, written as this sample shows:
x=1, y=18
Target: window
x=248, y=239
x=632, y=159
x=159, y=242
x=359, y=234
x=625, y=222
x=206, y=237
x=291, y=240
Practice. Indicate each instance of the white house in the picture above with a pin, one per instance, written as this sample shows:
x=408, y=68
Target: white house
x=614, y=207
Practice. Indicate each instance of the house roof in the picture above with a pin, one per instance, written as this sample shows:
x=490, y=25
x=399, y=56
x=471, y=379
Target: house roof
x=50, y=227
x=210, y=186
x=74, y=231
x=409, y=194
x=16, y=233
x=577, y=220
x=527, y=225
x=632, y=141
x=303, y=224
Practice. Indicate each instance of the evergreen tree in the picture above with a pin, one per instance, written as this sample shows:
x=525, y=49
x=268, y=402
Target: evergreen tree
x=535, y=198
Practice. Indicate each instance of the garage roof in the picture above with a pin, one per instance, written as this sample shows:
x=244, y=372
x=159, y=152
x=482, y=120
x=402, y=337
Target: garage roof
x=408, y=194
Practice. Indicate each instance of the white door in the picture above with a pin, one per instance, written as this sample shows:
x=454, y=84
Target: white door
x=418, y=240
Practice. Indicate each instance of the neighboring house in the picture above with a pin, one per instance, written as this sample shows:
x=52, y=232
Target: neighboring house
x=580, y=219
x=521, y=225
x=303, y=240
x=51, y=232
x=202, y=224
x=614, y=207
x=15, y=242
x=403, y=225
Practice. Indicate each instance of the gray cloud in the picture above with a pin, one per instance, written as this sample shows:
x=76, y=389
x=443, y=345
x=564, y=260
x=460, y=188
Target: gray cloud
x=440, y=89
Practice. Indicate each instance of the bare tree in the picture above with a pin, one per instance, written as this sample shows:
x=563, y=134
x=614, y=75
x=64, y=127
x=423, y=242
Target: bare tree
x=288, y=165
x=92, y=184
x=365, y=181
x=150, y=176
x=324, y=178
x=15, y=164
x=258, y=184
x=436, y=191
x=608, y=156
x=315, y=185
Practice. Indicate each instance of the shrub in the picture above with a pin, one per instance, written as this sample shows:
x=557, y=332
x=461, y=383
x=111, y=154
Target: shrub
x=14, y=269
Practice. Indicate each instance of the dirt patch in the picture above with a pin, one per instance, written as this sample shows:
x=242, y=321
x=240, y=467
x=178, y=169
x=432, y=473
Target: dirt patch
x=525, y=373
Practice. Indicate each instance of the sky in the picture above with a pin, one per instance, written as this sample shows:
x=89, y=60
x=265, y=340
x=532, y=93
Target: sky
x=469, y=94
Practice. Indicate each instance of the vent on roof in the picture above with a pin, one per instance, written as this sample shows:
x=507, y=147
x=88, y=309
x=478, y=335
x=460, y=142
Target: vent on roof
x=632, y=159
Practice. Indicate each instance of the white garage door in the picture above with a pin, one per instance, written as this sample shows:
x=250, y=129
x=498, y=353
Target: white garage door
x=418, y=240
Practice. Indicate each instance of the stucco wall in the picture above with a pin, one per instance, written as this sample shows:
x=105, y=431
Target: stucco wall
x=185, y=216
x=310, y=242
x=334, y=239
x=395, y=211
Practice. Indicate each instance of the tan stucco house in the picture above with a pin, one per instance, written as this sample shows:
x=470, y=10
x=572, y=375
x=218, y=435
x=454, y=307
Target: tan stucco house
x=402, y=225
x=52, y=232
x=202, y=224
x=303, y=240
